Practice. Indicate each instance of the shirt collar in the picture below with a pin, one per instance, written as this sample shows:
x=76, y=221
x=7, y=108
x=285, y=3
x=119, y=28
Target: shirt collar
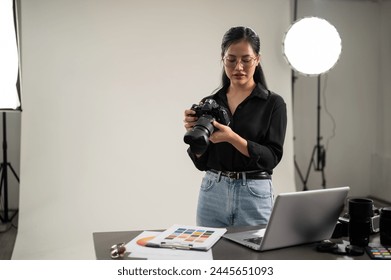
x=259, y=91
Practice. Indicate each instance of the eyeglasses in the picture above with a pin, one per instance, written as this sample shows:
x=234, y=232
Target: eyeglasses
x=246, y=61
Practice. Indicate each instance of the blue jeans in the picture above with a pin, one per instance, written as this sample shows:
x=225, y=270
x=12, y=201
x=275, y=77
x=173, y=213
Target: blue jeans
x=225, y=202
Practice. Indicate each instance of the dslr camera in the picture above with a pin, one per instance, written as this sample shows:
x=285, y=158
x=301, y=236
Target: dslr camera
x=206, y=112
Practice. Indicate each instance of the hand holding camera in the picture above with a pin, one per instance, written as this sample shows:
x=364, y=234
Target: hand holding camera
x=190, y=119
x=200, y=126
x=222, y=133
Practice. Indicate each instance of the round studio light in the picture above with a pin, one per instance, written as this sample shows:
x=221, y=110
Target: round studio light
x=312, y=46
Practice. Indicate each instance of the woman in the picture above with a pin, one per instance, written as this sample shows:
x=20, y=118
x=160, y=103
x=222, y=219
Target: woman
x=237, y=188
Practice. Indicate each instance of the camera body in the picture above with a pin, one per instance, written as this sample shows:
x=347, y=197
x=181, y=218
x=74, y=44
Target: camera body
x=210, y=108
x=206, y=112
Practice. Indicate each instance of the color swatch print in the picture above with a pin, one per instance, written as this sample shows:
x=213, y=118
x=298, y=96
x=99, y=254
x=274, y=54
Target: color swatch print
x=189, y=235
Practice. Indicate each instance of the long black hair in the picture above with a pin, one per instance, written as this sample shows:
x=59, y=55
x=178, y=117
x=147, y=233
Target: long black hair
x=235, y=35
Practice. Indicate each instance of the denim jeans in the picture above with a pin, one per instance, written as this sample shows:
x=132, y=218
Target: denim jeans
x=224, y=202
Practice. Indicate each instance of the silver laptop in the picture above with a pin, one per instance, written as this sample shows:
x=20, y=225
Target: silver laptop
x=297, y=218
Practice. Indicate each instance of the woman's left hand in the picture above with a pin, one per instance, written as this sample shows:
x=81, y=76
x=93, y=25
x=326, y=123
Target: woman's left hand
x=223, y=133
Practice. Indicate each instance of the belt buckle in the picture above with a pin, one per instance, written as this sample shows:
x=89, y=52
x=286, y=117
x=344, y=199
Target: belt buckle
x=233, y=175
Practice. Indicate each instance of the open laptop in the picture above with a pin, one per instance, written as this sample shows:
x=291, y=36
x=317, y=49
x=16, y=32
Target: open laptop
x=297, y=218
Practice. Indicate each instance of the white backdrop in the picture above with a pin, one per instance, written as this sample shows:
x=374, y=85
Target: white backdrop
x=105, y=84
x=356, y=94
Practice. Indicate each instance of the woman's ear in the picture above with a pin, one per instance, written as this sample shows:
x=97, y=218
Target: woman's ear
x=258, y=58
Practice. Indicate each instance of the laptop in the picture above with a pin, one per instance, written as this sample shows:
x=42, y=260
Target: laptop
x=297, y=218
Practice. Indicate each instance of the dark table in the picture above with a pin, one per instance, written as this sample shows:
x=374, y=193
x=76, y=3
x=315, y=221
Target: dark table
x=228, y=250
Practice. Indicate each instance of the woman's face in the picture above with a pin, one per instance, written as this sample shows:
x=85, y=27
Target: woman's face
x=240, y=62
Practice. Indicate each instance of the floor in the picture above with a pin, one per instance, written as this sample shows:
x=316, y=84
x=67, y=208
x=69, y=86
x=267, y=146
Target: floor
x=7, y=238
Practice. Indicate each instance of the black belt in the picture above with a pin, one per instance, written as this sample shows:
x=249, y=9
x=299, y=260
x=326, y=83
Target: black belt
x=239, y=175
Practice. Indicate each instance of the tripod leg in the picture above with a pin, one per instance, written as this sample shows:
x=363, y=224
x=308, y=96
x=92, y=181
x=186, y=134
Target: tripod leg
x=2, y=179
x=6, y=218
x=3, y=219
x=13, y=171
x=298, y=171
x=309, y=169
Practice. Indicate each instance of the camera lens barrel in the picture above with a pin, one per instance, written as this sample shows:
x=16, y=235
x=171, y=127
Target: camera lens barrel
x=385, y=226
x=198, y=137
x=360, y=213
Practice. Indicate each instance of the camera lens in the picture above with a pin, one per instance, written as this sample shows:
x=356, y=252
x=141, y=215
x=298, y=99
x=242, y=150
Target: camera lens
x=385, y=226
x=360, y=213
x=198, y=137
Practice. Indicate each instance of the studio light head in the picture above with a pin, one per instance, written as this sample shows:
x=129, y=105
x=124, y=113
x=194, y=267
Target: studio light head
x=312, y=46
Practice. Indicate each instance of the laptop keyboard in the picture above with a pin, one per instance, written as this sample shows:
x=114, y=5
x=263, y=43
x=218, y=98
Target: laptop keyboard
x=255, y=240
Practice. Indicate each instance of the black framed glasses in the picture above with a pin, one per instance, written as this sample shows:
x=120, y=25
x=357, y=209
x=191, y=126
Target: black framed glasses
x=246, y=61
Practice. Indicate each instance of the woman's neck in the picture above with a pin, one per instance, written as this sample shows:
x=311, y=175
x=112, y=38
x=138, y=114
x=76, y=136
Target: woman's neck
x=241, y=89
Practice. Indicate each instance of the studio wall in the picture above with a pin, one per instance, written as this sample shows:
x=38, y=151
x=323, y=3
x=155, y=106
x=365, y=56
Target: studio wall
x=105, y=84
x=355, y=94
x=381, y=156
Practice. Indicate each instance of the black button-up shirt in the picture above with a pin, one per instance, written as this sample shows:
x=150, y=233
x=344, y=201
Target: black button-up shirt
x=261, y=119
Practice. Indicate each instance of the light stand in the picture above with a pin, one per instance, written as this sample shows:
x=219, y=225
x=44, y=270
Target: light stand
x=312, y=46
x=5, y=219
x=9, y=95
x=319, y=151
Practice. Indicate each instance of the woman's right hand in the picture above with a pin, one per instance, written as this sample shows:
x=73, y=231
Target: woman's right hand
x=190, y=119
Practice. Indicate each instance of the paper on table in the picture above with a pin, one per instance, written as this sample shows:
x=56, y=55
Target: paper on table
x=137, y=249
x=188, y=237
